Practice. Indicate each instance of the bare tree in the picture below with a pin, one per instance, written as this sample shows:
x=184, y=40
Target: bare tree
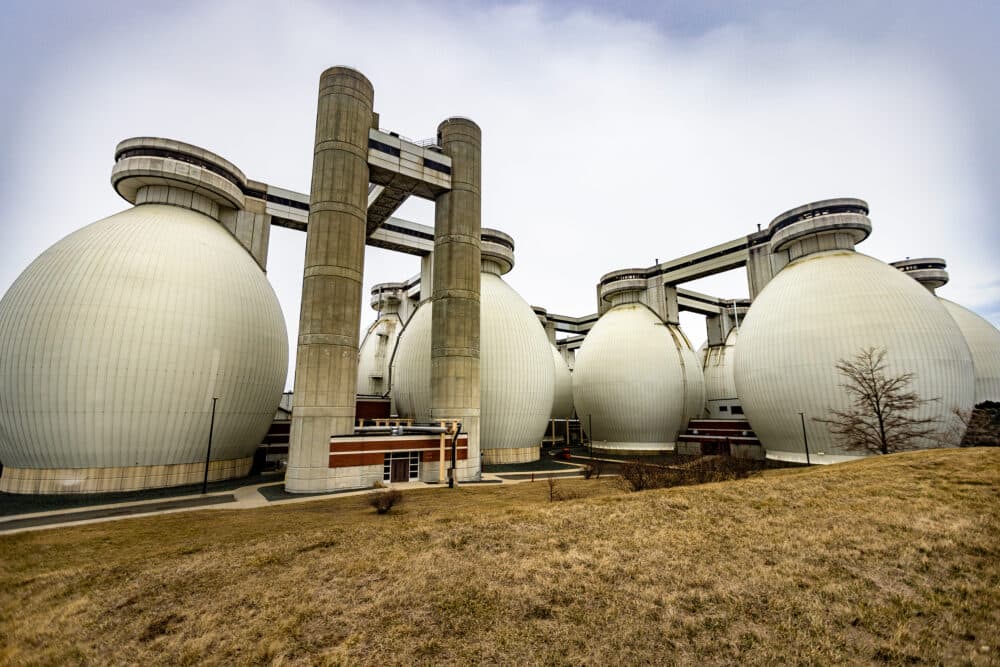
x=880, y=418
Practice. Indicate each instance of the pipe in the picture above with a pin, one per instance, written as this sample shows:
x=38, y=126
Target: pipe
x=208, y=454
x=805, y=438
x=400, y=430
x=454, y=455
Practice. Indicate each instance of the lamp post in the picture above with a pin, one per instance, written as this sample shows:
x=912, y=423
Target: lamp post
x=590, y=434
x=208, y=454
x=805, y=438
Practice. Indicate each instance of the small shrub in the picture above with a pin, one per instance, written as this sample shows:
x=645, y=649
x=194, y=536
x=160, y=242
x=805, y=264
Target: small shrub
x=556, y=493
x=641, y=476
x=553, y=489
x=715, y=469
x=593, y=468
x=382, y=498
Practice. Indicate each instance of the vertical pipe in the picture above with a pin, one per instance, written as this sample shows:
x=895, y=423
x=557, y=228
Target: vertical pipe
x=456, y=271
x=208, y=454
x=326, y=368
x=441, y=460
x=454, y=454
x=805, y=438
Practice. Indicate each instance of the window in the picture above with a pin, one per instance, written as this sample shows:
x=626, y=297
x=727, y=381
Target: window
x=412, y=466
x=737, y=410
x=723, y=408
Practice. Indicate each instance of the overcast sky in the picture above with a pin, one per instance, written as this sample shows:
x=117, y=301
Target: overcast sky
x=614, y=134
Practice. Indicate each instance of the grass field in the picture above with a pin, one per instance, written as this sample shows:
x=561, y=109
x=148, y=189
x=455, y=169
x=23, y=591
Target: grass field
x=889, y=560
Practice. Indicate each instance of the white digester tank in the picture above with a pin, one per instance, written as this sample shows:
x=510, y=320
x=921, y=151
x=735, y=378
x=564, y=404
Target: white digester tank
x=826, y=304
x=637, y=380
x=115, y=340
x=516, y=367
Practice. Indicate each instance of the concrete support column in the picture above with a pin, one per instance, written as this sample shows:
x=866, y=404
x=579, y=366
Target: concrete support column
x=550, y=332
x=670, y=300
x=427, y=276
x=760, y=269
x=455, y=323
x=716, y=330
x=326, y=369
x=656, y=298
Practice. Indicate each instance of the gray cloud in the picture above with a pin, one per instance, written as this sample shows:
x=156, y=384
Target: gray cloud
x=612, y=136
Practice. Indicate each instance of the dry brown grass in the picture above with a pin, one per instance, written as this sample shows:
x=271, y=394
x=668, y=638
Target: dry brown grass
x=894, y=560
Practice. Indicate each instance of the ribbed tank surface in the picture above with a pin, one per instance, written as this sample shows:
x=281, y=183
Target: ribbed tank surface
x=375, y=355
x=828, y=307
x=984, y=345
x=516, y=369
x=717, y=365
x=562, y=400
x=411, y=367
x=114, y=341
x=637, y=380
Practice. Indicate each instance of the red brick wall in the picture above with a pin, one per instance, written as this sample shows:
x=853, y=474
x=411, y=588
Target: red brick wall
x=362, y=451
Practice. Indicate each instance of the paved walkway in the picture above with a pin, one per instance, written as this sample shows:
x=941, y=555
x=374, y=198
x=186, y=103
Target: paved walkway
x=54, y=518
x=245, y=497
x=536, y=476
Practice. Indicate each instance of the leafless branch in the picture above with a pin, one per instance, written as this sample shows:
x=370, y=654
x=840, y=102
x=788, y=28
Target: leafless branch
x=880, y=419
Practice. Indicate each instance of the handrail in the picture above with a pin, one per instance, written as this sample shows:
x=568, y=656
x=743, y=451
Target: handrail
x=422, y=143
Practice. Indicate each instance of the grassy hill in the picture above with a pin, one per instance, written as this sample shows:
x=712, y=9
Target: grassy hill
x=893, y=559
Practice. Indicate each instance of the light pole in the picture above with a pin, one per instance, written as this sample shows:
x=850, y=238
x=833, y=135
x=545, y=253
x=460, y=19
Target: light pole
x=208, y=454
x=805, y=438
x=590, y=434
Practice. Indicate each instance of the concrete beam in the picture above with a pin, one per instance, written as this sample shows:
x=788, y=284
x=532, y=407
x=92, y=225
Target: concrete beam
x=707, y=262
x=416, y=169
x=403, y=236
x=570, y=343
x=573, y=325
x=383, y=201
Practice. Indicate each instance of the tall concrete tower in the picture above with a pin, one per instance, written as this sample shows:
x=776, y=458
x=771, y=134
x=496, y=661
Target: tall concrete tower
x=326, y=369
x=455, y=324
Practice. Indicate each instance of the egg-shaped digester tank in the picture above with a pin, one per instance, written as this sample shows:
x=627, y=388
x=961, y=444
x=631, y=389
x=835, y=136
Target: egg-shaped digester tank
x=721, y=400
x=515, y=360
x=637, y=380
x=115, y=340
x=411, y=366
x=375, y=353
x=826, y=305
x=562, y=397
x=984, y=344
x=982, y=337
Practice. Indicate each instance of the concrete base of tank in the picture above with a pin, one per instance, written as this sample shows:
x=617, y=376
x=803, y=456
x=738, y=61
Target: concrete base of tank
x=493, y=457
x=111, y=480
x=815, y=458
x=752, y=452
x=633, y=448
